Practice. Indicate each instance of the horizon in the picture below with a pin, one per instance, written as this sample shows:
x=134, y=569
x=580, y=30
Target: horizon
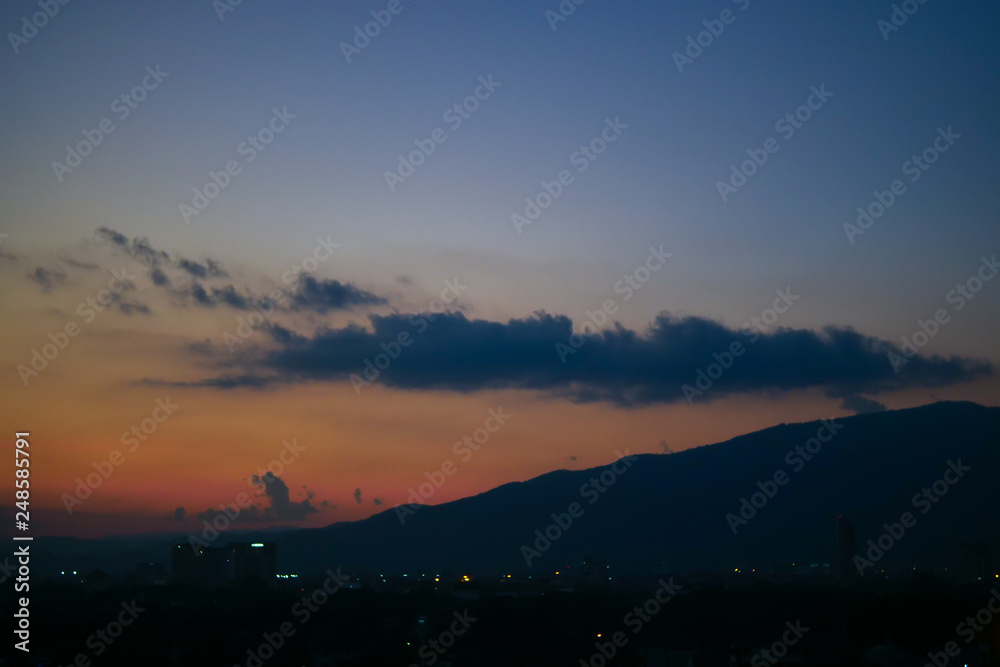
x=237, y=529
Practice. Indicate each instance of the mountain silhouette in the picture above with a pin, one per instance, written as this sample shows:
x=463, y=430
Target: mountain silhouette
x=668, y=512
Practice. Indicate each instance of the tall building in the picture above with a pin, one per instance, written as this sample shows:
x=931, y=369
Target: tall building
x=254, y=560
x=222, y=566
x=846, y=548
x=201, y=566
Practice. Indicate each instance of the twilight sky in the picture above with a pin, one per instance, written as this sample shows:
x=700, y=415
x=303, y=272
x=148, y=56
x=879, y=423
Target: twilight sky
x=571, y=169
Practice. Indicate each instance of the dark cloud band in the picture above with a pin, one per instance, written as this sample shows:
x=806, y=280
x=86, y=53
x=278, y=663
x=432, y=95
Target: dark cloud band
x=620, y=366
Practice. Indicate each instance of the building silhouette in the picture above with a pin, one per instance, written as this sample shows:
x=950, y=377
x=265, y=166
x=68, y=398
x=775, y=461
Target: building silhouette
x=213, y=567
x=846, y=548
x=253, y=560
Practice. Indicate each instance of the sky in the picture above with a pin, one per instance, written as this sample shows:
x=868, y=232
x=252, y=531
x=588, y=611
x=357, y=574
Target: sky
x=562, y=213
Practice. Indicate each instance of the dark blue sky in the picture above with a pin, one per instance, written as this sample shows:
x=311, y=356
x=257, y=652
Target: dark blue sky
x=656, y=185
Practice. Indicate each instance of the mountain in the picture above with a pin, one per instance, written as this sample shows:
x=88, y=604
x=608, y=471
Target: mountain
x=669, y=511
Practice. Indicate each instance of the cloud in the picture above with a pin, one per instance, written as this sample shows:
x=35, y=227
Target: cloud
x=357, y=496
x=210, y=268
x=158, y=277
x=321, y=296
x=249, y=381
x=281, y=505
x=309, y=294
x=618, y=366
x=861, y=405
x=160, y=261
x=204, y=347
x=229, y=296
x=126, y=307
x=191, y=281
x=47, y=278
x=211, y=297
x=138, y=248
x=378, y=502
x=132, y=307
x=200, y=295
x=85, y=266
x=277, y=505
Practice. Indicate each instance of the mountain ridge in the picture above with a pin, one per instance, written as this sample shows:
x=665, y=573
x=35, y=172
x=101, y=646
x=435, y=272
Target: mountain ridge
x=669, y=511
